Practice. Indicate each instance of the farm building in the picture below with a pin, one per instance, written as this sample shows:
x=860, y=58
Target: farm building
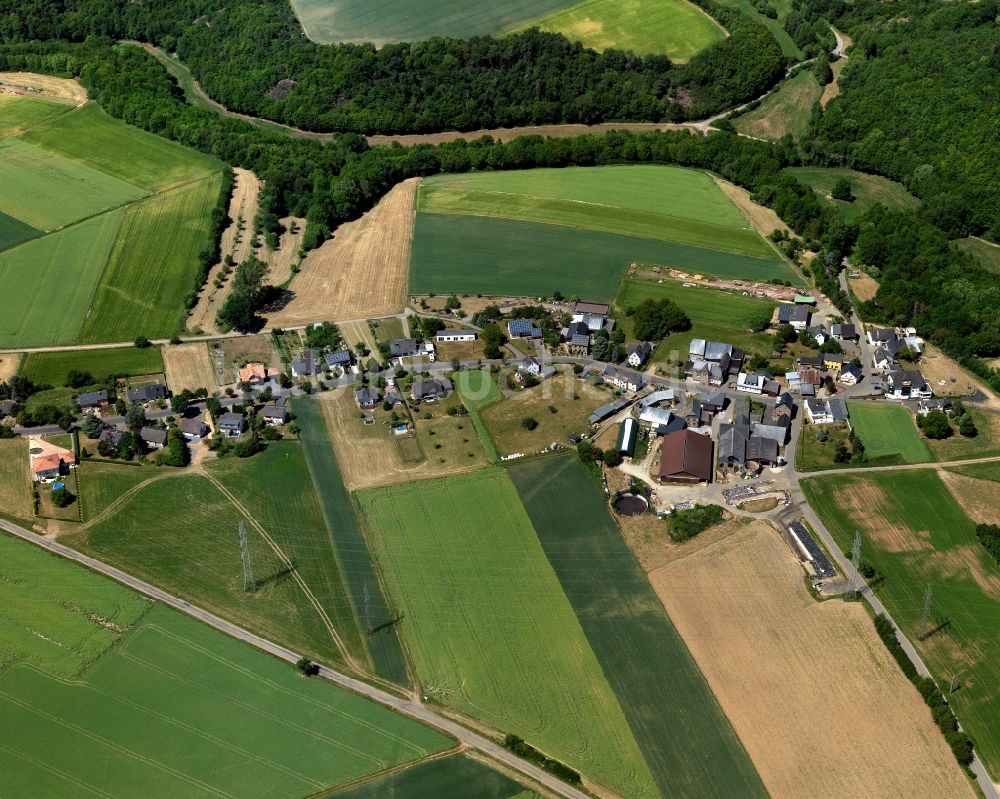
x=523, y=328
x=151, y=393
x=665, y=395
x=660, y=420
x=455, y=334
x=93, y=400
x=811, y=550
x=154, y=437
x=738, y=447
x=686, y=458
x=253, y=373
x=795, y=315
x=232, y=424
x=637, y=354
x=599, y=308
x=907, y=384
x=193, y=429
x=804, y=299
x=628, y=436
x=608, y=410
x=403, y=347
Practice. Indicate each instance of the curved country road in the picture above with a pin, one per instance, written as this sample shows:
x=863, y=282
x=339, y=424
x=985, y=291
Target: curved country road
x=406, y=707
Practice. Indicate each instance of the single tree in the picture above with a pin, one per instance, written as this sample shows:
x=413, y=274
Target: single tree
x=842, y=190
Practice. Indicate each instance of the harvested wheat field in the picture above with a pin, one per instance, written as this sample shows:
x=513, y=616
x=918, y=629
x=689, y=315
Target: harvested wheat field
x=361, y=272
x=188, y=366
x=8, y=366
x=864, y=286
x=45, y=87
x=763, y=219
x=816, y=698
x=286, y=255
x=980, y=499
x=939, y=370
x=235, y=241
x=371, y=455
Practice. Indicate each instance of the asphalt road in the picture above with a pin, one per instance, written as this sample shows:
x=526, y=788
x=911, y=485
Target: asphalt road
x=406, y=707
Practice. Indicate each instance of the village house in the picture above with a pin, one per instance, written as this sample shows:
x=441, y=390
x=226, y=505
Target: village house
x=577, y=336
x=455, y=335
x=232, y=424
x=850, y=375
x=686, y=457
x=93, y=400
x=880, y=336
x=393, y=397
x=154, y=437
x=623, y=379
x=403, y=347
x=55, y=463
x=925, y=406
x=751, y=383
x=144, y=394
x=339, y=358
x=818, y=334
x=274, y=415
x=819, y=411
x=431, y=390
x=194, y=429
x=529, y=366
x=637, y=354
x=844, y=332
x=833, y=360
x=306, y=365
x=253, y=373
x=906, y=384
x=367, y=397
x=112, y=435
x=523, y=328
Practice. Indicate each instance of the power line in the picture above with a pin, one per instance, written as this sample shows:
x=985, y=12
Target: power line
x=925, y=619
x=249, y=582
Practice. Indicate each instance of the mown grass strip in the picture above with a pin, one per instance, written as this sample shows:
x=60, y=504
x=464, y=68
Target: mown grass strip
x=656, y=680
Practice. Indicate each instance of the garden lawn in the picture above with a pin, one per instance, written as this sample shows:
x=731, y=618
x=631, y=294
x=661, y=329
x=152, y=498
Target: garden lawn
x=181, y=532
x=867, y=189
x=18, y=113
x=119, y=692
x=103, y=483
x=52, y=367
x=715, y=315
x=48, y=283
x=504, y=257
x=650, y=669
x=489, y=628
x=91, y=137
x=917, y=535
x=666, y=203
x=888, y=432
x=813, y=455
x=385, y=21
x=674, y=28
x=153, y=265
x=434, y=779
x=47, y=191
x=363, y=588
x=785, y=111
x=478, y=391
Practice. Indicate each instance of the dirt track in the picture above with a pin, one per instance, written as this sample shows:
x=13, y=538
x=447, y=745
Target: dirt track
x=362, y=271
x=813, y=694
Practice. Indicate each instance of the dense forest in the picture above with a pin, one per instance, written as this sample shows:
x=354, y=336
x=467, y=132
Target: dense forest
x=252, y=56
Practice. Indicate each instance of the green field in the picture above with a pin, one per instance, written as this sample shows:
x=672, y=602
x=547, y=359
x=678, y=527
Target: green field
x=888, y=433
x=868, y=189
x=715, y=315
x=988, y=254
x=674, y=28
x=478, y=391
x=103, y=482
x=482, y=255
x=785, y=111
x=15, y=480
x=48, y=191
x=156, y=252
x=14, y=231
x=915, y=533
x=52, y=367
x=101, y=691
x=90, y=136
x=350, y=547
x=180, y=532
x=489, y=628
x=454, y=776
x=385, y=21
x=653, y=202
x=650, y=669
x=18, y=113
x=49, y=282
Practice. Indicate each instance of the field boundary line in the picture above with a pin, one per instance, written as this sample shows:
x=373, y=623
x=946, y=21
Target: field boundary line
x=57, y=771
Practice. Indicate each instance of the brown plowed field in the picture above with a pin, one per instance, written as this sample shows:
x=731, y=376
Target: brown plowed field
x=8, y=366
x=188, y=366
x=980, y=499
x=820, y=705
x=234, y=242
x=45, y=87
x=361, y=272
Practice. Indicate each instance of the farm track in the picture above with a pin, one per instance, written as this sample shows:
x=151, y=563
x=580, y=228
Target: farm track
x=406, y=707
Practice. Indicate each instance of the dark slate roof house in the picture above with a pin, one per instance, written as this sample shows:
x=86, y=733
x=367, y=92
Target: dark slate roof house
x=147, y=393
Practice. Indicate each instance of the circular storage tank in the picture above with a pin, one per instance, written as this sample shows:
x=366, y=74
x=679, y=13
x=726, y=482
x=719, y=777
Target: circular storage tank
x=630, y=505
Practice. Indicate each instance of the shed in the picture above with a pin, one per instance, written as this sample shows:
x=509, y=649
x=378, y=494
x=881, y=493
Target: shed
x=627, y=437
